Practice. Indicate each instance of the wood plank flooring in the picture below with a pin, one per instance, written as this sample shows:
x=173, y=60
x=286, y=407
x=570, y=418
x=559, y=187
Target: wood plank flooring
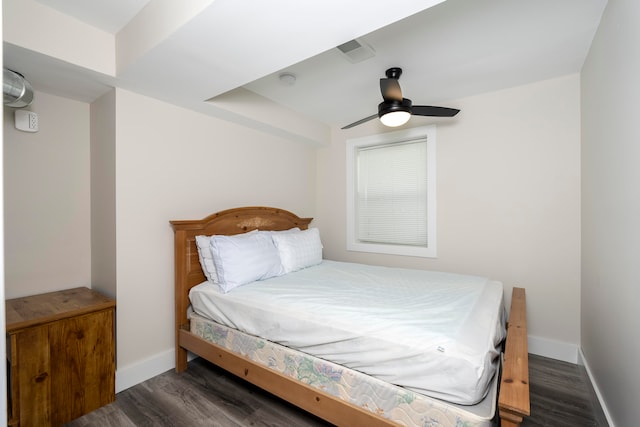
x=561, y=396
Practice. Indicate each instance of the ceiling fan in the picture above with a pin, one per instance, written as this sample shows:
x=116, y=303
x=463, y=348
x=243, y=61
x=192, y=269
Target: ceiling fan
x=395, y=110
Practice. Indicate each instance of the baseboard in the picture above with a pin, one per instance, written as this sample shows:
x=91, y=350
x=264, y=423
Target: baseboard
x=135, y=373
x=583, y=362
x=558, y=350
x=138, y=372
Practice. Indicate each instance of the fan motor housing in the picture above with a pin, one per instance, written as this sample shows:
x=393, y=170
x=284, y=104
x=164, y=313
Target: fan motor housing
x=391, y=106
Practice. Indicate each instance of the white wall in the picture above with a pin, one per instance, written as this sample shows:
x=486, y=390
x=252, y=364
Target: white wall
x=611, y=211
x=46, y=187
x=508, y=190
x=103, y=195
x=173, y=163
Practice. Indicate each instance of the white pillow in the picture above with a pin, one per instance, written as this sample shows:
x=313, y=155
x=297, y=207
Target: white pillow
x=299, y=250
x=270, y=232
x=244, y=258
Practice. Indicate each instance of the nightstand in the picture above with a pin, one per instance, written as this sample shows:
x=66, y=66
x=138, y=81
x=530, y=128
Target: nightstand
x=61, y=356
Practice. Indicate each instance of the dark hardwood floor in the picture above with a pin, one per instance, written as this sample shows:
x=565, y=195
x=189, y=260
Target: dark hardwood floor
x=561, y=395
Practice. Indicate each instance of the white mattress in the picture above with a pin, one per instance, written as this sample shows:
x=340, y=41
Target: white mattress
x=433, y=333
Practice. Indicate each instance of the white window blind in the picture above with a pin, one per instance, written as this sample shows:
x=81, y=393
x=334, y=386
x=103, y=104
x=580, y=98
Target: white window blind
x=392, y=193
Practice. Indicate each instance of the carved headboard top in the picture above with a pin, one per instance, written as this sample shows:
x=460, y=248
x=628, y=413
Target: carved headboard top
x=242, y=220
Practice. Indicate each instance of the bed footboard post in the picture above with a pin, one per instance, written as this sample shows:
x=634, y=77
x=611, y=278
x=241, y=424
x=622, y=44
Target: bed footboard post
x=181, y=358
x=513, y=402
x=508, y=419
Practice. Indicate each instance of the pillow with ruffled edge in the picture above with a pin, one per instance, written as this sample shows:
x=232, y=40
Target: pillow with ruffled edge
x=206, y=259
x=299, y=250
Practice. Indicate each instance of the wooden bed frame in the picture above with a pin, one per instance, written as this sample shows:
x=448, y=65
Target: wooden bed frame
x=513, y=400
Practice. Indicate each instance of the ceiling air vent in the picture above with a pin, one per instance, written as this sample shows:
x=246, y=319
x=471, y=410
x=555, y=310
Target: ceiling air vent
x=356, y=50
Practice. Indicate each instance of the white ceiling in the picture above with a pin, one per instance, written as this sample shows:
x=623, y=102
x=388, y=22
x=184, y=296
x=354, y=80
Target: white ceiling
x=454, y=49
x=109, y=16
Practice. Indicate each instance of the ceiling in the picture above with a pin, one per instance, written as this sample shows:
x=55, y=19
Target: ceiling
x=108, y=15
x=447, y=49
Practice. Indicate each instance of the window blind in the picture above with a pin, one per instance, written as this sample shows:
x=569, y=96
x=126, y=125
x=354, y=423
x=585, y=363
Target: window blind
x=392, y=193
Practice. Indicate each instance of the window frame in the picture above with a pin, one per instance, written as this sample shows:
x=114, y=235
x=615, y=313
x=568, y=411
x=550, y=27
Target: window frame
x=405, y=135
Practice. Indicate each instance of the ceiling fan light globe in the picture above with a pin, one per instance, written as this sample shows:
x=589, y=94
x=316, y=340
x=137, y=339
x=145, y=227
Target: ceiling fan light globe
x=395, y=118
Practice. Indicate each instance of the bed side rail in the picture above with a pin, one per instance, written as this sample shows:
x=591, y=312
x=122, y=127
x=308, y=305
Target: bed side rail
x=513, y=403
x=316, y=401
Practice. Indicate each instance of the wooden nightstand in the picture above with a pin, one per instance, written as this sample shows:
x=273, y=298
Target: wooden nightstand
x=60, y=347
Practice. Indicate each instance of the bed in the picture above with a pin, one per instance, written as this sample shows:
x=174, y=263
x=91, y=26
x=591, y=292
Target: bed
x=332, y=391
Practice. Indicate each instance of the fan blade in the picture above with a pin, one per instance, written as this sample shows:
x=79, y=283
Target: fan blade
x=390, y=89
x=359, y=122
x=428, y=110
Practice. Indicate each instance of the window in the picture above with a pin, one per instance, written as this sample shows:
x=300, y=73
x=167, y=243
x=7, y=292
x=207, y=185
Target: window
x=391, y=193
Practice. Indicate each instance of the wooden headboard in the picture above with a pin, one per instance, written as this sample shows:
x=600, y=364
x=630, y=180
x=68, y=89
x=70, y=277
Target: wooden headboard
x=188, y=272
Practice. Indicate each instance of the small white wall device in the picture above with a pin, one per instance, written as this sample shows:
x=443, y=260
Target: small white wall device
x=26, y=121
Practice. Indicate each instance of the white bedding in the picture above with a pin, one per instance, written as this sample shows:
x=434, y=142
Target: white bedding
x=434, y=333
